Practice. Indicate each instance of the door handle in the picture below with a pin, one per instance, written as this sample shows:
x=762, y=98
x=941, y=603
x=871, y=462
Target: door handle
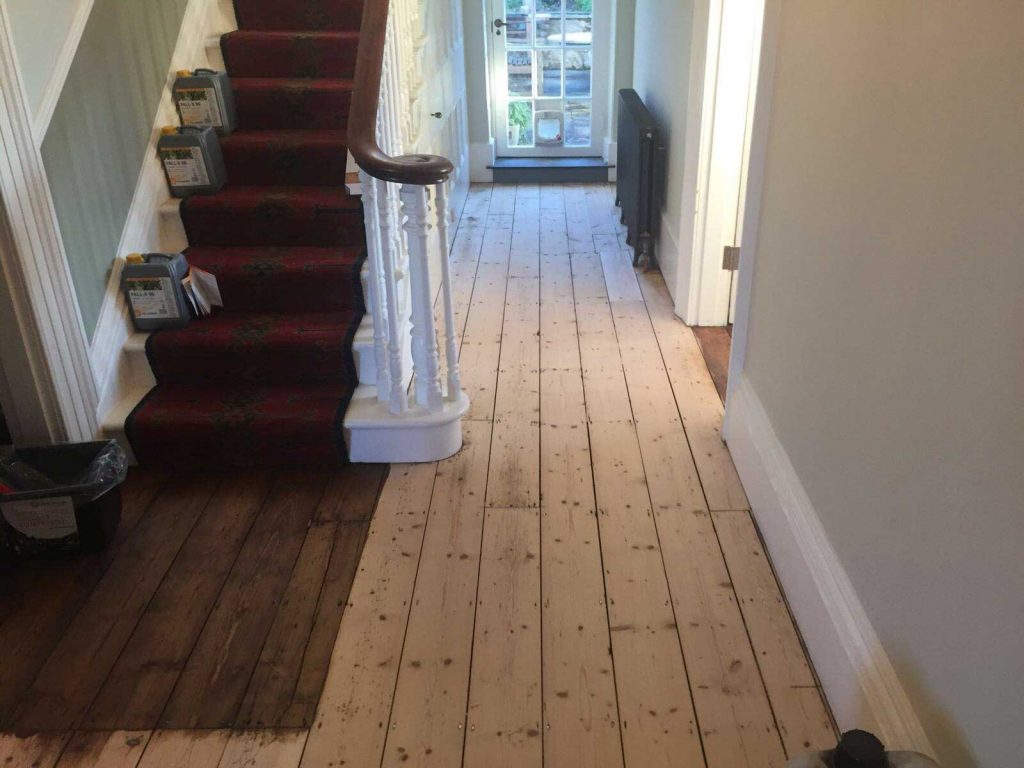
x=498, y=24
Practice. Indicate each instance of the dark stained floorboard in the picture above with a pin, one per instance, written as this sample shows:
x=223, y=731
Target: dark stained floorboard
x=217, y=603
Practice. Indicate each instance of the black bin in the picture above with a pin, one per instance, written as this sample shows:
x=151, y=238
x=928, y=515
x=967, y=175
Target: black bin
x=61, y=498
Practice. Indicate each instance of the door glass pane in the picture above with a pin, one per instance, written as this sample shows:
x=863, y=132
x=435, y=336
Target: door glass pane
x=577, y=71
x=550, y=7
x=579, y=30
x=520, y=73
x=520, y=124
x=579, y=6
x=549, y=30
x=577, y=124
x=517, y=19
x=551, y=73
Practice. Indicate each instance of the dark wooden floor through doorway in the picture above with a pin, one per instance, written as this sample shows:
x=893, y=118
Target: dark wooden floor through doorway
x=216, y=606
x=715, y=344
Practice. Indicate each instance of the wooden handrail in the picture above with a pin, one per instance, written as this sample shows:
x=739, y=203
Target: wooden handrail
x=362, y=122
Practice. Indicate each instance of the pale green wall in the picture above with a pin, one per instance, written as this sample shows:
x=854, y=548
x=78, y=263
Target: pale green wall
x=661, y=75
x=97, y=140
x=886, y=329
x=39, y=28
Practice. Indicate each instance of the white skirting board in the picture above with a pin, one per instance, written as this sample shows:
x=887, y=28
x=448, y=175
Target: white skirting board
x=145, y=230
x=859, y=680
x=481, y=157
x=611, y=156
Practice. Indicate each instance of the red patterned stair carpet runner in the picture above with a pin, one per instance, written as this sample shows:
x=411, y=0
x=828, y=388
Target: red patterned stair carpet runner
x=265, y=382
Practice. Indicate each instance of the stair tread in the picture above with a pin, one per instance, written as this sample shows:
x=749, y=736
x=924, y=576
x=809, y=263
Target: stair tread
x=286, y=256
x=259, y=329
x=290, y=34
x=336, y=197
x=285, y=136
x=294, y=83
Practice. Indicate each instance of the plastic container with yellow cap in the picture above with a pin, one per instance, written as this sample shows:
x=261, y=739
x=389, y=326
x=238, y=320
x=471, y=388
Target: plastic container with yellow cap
x=205, y=99
x=192, y=160
x=152, y=286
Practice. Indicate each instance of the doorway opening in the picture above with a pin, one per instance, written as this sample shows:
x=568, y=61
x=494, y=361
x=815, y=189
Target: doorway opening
x=727, y=104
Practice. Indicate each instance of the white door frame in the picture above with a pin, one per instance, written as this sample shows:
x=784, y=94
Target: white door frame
x=759, y=135
x=601, y=88
x=44, y=352
x=722, y=89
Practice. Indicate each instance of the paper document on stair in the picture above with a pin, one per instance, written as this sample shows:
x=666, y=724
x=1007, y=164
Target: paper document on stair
x=202, y=291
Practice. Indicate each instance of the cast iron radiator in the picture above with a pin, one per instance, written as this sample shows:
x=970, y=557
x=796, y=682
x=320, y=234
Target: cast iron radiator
x=635, y=169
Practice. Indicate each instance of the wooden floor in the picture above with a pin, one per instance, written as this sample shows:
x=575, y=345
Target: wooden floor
x=217, y=606
x=581, y=586
x=715, y=344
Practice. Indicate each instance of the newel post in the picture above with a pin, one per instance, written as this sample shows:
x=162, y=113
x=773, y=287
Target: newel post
x=426, y=365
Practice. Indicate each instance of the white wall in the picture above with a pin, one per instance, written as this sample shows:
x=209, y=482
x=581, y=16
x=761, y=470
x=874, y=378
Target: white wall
x=661, y=75
x=886, y=335
x=39, y=28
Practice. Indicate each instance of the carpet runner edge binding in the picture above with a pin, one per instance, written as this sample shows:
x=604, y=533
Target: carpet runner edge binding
x=267, y=380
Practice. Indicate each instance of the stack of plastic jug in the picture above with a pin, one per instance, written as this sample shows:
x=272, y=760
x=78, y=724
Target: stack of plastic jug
x=191, y=155
x=860, y=749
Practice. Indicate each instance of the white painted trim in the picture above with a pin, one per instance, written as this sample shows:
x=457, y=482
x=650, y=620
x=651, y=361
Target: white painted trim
x=68, y=49
x=759, y=136
x=145, y=229
x=481, y=158
x=57, y=382
x=681, y=291
x=858, y=677
x=721, y=141
x=611, y=156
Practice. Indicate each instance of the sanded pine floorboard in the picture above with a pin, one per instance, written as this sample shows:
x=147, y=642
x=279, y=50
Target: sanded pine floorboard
x=429, y=713
x=140, y=683
x=658, y=723
x=47, y=596
x=799, y=705
x=275, y=748
x=580, y=708
x=513, y=479
x=698, y=400
x=505, y=707
x=606, y=396
x=577, y=220
x=40, y=750
x=104, y=749
x=228, y=649
x=286, y=684
x=355, y=707
x=732, y=707
x=88, y=649
x=185, y=749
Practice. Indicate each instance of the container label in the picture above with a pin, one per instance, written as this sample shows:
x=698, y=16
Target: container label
x=42, y=518
x=199, y=107
x=152, y=298
x=185, y=166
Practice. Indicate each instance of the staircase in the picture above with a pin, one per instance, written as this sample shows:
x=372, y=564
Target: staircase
x=267, y=381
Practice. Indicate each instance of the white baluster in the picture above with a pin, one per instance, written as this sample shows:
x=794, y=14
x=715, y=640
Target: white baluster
x=454, y=384
x=373, y=283
x=397, y=397
x=426, y=365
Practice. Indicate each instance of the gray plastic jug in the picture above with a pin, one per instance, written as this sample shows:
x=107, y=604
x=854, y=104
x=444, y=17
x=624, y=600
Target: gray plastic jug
x=192, y=160
x=860, y=749
x=205, y=99
x=152, y=288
